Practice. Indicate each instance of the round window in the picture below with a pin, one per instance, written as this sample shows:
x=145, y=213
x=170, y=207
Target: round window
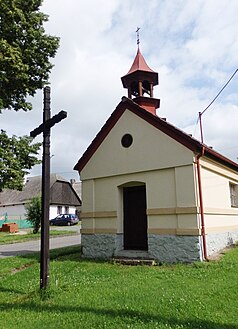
x=126, y=140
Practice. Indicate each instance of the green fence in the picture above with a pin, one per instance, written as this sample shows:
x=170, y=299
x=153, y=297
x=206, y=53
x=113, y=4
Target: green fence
x=19, y=220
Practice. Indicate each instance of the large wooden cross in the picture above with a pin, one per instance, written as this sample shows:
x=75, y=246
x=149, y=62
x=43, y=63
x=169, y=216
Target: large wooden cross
x=44, y=128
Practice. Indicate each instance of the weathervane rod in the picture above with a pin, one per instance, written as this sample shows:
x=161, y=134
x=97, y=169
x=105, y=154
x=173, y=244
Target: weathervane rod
x=138, y=36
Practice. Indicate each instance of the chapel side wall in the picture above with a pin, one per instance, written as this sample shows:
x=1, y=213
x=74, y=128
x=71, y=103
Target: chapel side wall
x=221, y=219
x=219, y=214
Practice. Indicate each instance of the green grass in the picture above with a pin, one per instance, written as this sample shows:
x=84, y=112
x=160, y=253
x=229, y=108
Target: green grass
x=6, y=238
x=96, y=294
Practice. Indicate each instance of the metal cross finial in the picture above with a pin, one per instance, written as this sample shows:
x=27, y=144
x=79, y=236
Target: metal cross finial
x=138, y=36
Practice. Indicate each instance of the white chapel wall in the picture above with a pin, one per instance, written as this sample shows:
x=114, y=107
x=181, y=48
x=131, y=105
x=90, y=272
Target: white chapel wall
x=220, y=216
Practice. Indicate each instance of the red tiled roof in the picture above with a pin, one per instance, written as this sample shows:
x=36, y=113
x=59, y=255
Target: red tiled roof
x=139, y=64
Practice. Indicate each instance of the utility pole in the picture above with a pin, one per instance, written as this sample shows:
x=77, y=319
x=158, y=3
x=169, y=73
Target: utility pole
x=44, y=128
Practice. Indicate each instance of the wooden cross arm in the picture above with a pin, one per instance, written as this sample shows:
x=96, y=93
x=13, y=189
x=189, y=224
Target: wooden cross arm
x=48, y=124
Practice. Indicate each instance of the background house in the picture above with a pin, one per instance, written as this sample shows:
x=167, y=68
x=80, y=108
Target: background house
x=63, y=198
x=151, y=190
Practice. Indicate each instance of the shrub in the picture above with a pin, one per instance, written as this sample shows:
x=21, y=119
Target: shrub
x=33, y=213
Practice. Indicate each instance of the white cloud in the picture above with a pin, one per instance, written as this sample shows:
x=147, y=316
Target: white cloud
x=192, y=44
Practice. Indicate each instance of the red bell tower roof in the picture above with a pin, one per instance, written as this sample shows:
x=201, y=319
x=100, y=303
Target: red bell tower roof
x=140, y=70
x=139, y=64
x=140, y=82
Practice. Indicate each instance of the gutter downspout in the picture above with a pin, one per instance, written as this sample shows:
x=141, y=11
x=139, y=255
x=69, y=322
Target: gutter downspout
x=201, y=204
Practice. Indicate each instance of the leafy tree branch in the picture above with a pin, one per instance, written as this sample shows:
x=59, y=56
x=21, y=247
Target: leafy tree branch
x=17, y=156
x=25, y=52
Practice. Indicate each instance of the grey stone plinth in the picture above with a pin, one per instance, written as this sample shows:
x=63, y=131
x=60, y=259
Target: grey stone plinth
x=162, y=248
x=98, y=245
x=173, y=249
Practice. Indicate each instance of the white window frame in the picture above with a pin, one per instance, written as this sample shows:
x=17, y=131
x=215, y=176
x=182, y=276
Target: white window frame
x=234, y=194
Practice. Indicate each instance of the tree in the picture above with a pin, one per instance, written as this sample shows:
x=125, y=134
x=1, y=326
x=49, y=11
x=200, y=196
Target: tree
x=25, y=52
x=17, y=157
x=33, y=213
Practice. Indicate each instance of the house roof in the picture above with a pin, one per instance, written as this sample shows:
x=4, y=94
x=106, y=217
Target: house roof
x=77, y=186
x=31, y=189
x=159, y=123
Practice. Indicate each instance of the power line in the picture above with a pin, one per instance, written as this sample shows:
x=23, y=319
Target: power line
x=220, y=92
x=201, y=113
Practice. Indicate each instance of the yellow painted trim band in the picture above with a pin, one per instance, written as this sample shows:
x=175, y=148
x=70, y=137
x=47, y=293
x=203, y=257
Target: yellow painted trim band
x=172, y=211
x=167, y=231
x=99, y=214
x=191, y=210
x=98, y=231
x=174, y=231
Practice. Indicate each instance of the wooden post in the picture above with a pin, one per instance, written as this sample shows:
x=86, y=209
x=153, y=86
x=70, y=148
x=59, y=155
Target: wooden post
x=44, y=257
x=44, y=128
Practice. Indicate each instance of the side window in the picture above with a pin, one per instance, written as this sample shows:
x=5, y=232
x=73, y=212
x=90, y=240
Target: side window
x=66, y=209
x=59, y=209
x=234, y=194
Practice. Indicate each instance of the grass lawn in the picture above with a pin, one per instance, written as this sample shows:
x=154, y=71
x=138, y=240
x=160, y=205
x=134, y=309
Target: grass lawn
x=94, y=294
x=6, y=238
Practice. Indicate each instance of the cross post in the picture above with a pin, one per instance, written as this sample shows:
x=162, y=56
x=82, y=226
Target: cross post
x=44, y=128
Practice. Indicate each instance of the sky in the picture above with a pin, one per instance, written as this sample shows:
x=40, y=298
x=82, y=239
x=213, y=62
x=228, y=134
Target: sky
x=193, y=45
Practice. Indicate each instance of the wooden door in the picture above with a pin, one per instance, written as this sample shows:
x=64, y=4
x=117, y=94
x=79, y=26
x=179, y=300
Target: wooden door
x=135, y=219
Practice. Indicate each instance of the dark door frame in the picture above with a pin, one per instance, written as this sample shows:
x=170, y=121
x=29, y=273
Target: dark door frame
x=135, y=218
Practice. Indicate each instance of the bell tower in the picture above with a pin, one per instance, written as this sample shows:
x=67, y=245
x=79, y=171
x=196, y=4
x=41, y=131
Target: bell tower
x=140, y=82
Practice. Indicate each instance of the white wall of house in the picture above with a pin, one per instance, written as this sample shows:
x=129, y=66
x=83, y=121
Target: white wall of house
x=13, y=211
x=55, y=210
x=18, y=211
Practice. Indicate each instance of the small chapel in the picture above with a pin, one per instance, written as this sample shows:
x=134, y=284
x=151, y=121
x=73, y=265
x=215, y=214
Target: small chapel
x=150, y=190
